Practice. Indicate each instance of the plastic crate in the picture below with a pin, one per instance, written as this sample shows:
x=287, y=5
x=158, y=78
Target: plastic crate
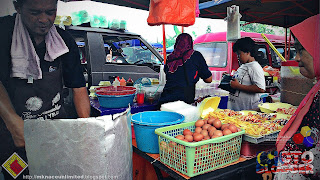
x=194, y=158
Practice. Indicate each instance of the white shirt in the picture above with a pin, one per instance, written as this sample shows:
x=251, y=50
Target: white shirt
x=247, y=74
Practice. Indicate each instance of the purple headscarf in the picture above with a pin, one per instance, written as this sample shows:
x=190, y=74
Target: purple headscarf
x=183, y=49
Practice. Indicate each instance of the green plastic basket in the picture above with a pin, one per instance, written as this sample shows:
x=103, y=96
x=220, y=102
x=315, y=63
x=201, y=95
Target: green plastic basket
x=194, y=158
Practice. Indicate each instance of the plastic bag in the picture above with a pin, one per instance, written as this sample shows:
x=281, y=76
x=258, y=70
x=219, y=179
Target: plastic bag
x=175, y=12
x=92, y=147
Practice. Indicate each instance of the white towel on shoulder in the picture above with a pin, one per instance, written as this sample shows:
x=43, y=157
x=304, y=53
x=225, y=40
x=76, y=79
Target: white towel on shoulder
x=25, y=61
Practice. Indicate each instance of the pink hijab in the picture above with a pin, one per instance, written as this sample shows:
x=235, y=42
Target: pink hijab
x=307, y=32
x=183, y=49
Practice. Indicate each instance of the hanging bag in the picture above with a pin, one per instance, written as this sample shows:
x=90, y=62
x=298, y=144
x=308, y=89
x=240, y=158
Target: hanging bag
x=175, y=12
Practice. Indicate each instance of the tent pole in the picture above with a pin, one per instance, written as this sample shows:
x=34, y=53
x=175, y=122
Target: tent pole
x=285, y=45
x=289, y=45
x=182, y=29
x=164, y=44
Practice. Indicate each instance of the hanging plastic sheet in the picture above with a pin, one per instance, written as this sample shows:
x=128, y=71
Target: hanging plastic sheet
x=84, y=148
x=175, y=12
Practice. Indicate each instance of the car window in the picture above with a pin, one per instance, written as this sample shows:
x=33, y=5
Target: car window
x=276, y=60
x=128, y=50
x=215, y=53
x=262, y=57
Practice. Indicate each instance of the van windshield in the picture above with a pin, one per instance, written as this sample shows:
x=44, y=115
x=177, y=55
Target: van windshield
x=215, y=53
x=127, y=50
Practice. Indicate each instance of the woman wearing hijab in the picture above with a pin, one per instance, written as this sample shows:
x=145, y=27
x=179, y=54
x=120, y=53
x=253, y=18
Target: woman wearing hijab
x=307, y=44
x=183, y=69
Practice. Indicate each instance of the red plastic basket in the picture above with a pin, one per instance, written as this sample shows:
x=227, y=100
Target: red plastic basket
x=115, y=90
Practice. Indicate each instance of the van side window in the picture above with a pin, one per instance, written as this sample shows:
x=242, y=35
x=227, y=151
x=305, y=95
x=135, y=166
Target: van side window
x=262, y=56
x=127, y=50
x=215, y=53
x=276, y=60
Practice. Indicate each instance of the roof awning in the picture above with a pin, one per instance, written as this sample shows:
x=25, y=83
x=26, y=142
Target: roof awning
x=283, y=13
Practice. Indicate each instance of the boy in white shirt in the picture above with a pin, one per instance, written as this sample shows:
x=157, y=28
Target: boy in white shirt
x=249, y=80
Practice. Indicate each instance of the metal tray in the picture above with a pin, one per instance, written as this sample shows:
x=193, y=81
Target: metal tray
x=258, y=139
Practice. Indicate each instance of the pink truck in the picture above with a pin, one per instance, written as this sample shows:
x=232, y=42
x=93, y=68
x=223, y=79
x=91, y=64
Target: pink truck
x=218, y=54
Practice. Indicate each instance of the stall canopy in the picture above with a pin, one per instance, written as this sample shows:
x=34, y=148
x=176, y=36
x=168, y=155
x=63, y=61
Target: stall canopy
x=283, y=13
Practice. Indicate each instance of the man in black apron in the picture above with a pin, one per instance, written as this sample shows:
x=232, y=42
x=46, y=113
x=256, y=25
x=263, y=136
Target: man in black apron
x=35, y=97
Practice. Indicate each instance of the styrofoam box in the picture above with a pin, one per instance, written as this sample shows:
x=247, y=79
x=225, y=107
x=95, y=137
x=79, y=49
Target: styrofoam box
x=191, y=113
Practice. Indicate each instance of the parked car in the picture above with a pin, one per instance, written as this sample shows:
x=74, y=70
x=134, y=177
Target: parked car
x=107, y=53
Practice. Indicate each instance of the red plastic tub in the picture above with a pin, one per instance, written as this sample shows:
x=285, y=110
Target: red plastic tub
x=115, y=90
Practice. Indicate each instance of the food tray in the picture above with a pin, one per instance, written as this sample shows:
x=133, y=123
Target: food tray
x=258, y=139
x=194, y=158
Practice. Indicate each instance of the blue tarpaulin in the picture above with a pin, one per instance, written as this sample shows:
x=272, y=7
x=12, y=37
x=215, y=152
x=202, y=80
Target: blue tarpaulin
x=211, y=3
x=156, y=45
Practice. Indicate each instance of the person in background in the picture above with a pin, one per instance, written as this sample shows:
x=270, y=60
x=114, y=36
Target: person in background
x=183, y=69
x=307, y=45
x=37, y=60
x=248, y=80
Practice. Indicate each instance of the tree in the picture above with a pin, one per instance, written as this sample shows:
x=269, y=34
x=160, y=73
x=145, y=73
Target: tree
x=172, y=39
x=257, y=28
x=194, y=34
x=208, y=29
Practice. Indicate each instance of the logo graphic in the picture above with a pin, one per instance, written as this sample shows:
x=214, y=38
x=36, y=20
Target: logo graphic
x=290, y=161
x=307, y=137
x=34, y=104
x=56, y=99
x=14, y=165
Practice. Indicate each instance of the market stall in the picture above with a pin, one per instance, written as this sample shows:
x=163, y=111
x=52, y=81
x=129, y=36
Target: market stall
x=204, y=141
x=259, y=132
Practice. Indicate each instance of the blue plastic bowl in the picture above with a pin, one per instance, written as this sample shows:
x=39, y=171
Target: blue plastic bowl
x=115, y=101
x=145, y=123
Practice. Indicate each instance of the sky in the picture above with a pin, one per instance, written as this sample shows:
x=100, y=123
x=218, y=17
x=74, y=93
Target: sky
x=136, y=19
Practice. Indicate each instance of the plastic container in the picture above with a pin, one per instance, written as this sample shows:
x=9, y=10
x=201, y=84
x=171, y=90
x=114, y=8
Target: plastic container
x=122, y=82
x=294, y=86
x=149, y=97
x=129, y=82
x=140, y=97
x=263, y=97
x=123, y=25
x=114, y=24
x=153, y=90
x=223, y=102
x=272, y=107
x=116, y=82
x=115, y=101
x=145, y=123
x=194, y=158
